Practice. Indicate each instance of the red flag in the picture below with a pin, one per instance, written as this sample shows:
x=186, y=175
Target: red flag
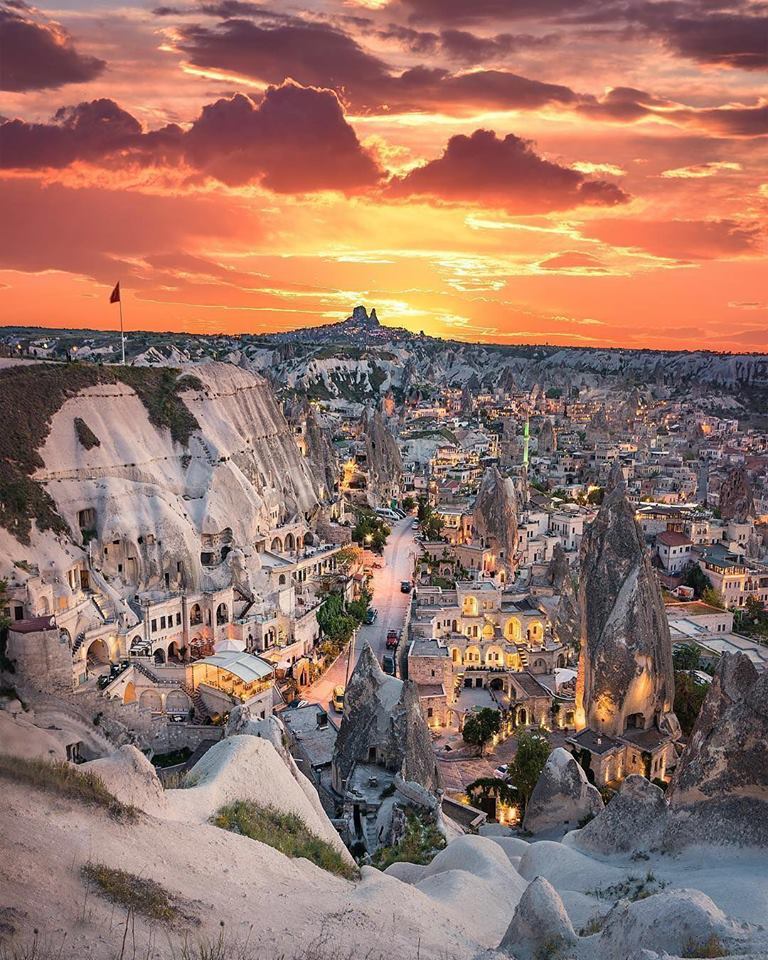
x=114, y=297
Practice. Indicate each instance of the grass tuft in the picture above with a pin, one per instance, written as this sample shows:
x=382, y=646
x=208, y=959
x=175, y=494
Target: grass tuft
x=65, y=780
x=420, y=843
x=85, y=435
x=136, y=894
x=711, y=947
x=286, y=832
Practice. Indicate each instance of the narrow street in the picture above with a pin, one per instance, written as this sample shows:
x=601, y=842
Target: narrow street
x=396, y=565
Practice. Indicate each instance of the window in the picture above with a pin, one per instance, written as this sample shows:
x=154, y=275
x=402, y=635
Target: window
x=162, y=623
x=154, y=626
x=178, y=619
x=429, y=711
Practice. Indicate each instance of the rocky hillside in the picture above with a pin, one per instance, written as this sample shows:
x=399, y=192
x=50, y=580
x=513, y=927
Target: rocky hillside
x=359, y=359
x=146, y=457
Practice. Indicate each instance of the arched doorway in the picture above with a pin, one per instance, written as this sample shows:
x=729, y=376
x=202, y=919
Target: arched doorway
x=177, y=702
x=222, y=614
x=309, y=538
x=159, y=655
x=173, y=651
x=129, y=694
x=290, y=543
x=561, y=661
x=497, y=683
x=98, y=652
x=195, y=615
x=277, y=545
x=522, y=717
x=151, y=700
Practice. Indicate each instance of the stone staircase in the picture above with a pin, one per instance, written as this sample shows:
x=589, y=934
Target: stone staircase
x=198, y=704
x=201, y=711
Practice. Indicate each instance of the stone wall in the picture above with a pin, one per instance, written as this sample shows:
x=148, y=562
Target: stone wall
x=41, y=660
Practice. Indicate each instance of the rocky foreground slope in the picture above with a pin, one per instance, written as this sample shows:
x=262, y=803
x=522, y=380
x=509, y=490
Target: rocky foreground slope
x=606, y=891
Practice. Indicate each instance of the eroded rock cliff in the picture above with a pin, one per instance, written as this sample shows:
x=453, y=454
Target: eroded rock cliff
x=720, y=786
x=385, y=465
x=154, y=506
x=625, y=670
x=736, y=501
x=383, y=724
x=496, y=513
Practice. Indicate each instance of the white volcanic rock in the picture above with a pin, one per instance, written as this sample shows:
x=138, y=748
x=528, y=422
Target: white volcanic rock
x=635, y=819
x=677, y=922
x=240, y=469
x=385, y=465
x=129, y=776
x=540, y=925
x=565, y=867
x=562, y=797
x=474, y=878
x=247, y=768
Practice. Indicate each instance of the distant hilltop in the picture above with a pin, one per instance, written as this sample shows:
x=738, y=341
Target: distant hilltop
x=361, y=327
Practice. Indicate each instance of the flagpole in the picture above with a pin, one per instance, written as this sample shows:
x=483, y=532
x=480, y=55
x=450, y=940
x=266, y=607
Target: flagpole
x=122, y=335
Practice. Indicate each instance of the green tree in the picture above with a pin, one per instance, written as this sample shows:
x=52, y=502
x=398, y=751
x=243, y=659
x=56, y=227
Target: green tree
x=347, y=557
x=697, y=580
x=533, y=748
x=337, y=625
x=596, y=495
x=482, y=791
x=481, y=727
x=687, y=657
x=753, y=609
x=689, y=696
x=408, y=504
x=713, y=598
x=371, y=531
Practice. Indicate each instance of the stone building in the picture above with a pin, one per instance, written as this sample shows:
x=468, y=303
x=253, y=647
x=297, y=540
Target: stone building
x=429, y=667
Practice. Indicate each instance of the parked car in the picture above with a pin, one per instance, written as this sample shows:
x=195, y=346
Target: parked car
x=338, y=699
x=371, y=614
x=502, y=771
x=405, y=586
x=104, y=681
x=388, y=664
x=393, y=638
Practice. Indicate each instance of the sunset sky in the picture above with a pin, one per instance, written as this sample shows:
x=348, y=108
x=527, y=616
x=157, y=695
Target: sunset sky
x=577, y=172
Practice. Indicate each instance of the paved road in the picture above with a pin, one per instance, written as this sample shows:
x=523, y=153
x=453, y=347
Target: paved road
x=397, y=565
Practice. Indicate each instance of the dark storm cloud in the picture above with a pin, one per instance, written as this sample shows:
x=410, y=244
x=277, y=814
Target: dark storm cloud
x=463, y=46
x=37, y=54
x=709, y=31
x=319, y=55
x=505, y=173
x=294, y=140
